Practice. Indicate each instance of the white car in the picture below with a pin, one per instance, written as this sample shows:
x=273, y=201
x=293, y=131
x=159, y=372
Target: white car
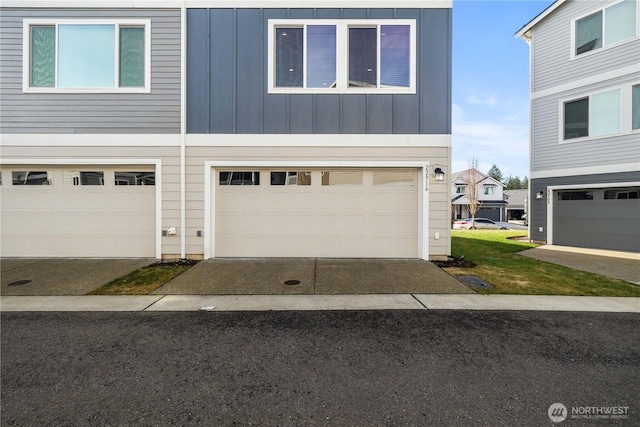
x=480, y=223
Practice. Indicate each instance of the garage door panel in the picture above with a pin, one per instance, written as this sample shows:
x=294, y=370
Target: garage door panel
x=340, y=220
x=78, y=221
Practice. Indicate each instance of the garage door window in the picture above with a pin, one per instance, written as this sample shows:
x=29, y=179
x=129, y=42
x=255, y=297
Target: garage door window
x=330, y=178
x=83, y=178
x=32, y=178
x=239, y=178
x=394, y=178
x=135, y=178
x=575, y=195
x=623, y=194
x=291, y=178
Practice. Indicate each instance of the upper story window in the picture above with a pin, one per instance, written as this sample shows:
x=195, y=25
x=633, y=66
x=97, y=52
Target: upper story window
x=635, y=107
x=461, y=189
x=342, y=56
x=489, y=189
x=592, y=116
x=86, y=56
x=606, y=27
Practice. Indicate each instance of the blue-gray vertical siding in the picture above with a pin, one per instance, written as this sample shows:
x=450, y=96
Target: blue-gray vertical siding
x=227, y=58
x=155, y=112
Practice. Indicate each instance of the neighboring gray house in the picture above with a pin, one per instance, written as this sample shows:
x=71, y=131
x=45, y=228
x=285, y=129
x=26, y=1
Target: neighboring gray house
x=516, y=204
x=585, y=124
x=490, y=196
x=225, y=128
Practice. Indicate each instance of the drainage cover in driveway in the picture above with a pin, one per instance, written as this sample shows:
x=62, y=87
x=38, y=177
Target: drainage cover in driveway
x=475, y=282
x=292, y=282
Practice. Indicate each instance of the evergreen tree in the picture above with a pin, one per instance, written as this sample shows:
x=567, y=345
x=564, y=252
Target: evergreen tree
x=495, y=173
x=525, y=183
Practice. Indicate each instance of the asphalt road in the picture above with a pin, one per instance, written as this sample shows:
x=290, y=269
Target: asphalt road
x=317, y=368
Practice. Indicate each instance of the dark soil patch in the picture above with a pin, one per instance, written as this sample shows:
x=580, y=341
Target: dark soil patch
x=175, y=262
x=454, y=262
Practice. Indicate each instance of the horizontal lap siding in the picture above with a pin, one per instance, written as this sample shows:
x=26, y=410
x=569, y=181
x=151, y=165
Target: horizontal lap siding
x=155, y=112
x=551, y=49
x=227, y=79
x=550, y=154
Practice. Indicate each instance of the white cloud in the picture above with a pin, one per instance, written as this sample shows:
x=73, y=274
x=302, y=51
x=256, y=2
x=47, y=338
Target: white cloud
x=503, y=141
x=490, y=100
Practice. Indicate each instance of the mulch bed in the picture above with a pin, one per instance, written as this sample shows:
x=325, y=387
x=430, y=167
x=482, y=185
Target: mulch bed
x=175, y=262
x=454, y=262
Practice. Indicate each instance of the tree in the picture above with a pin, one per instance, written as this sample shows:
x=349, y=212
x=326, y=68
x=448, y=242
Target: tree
x=525, y=183
x=513, y=183
x=495, y=173
x=472, y=178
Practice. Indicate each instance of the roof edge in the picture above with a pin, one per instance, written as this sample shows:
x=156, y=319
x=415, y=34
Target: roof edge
x=524, y=31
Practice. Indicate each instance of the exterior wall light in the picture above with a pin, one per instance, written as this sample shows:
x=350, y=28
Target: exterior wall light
x=540, y=195
x=439, y=174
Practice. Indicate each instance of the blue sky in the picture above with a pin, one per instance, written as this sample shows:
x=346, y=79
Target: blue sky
x=491, y=84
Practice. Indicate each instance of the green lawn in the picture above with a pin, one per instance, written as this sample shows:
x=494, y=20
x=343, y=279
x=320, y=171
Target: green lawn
x=143, y=281
x=498, y=263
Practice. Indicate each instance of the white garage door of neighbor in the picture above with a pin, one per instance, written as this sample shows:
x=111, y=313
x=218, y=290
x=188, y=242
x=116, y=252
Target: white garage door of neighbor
x=316, y=213
x=83, y=211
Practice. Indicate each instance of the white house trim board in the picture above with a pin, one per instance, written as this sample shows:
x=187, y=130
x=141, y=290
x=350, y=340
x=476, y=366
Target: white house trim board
x=553, y=188
x=588, y=170
x=157, y=163
x=524, y=31
x=92, y=140
x=318, y=140
x=176, y=4
x=210, y=167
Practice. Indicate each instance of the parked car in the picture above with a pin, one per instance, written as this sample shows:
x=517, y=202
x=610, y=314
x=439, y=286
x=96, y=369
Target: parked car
x=480, y=223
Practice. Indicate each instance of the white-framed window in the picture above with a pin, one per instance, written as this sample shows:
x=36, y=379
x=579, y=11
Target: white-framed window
x=594, y=115
x=635, y=107
x=609, y=26
x=489, y=189
x=342, y=56
x=80, y=55
x=461, y=189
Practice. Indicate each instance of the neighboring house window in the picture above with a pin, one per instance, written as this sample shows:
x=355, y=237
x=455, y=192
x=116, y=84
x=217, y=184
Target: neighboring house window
x=595, y=115
x=342, y=56
x=605, y=27
x=489, y=190
x=461, y=189
x=86, y=56
x=635, y=108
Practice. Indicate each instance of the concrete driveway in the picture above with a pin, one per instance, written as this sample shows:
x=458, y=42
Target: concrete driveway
x=312, y=276
x=62, y=276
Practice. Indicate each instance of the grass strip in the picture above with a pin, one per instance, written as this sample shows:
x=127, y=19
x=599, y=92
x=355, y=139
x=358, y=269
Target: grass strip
x=142, y=281
x=498, y=263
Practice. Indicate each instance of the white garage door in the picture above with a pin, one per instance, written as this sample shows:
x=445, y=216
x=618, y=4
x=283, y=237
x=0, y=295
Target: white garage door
x=316, y=213
x=90, y=211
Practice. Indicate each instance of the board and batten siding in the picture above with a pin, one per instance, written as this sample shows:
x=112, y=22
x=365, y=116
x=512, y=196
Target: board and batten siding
x=156, y=112
x=227, y=57
x=550, y=153
x=551, y=49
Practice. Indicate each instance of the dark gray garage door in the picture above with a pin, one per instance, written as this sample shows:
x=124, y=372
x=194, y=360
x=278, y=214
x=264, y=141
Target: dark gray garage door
x=597, y=218
x=491, y=213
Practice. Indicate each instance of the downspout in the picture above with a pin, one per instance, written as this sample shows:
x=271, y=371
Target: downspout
x=183, y=129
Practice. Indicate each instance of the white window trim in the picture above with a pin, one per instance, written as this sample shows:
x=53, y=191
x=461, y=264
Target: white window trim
x=342, y=55
x=26, y=54
x=625, y=113
x=604, y=47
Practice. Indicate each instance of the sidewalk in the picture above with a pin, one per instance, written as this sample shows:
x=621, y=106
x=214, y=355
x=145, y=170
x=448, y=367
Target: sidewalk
x=166, y=303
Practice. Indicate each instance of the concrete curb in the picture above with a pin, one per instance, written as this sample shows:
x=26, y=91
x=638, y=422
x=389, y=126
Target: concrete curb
x=166, y=303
